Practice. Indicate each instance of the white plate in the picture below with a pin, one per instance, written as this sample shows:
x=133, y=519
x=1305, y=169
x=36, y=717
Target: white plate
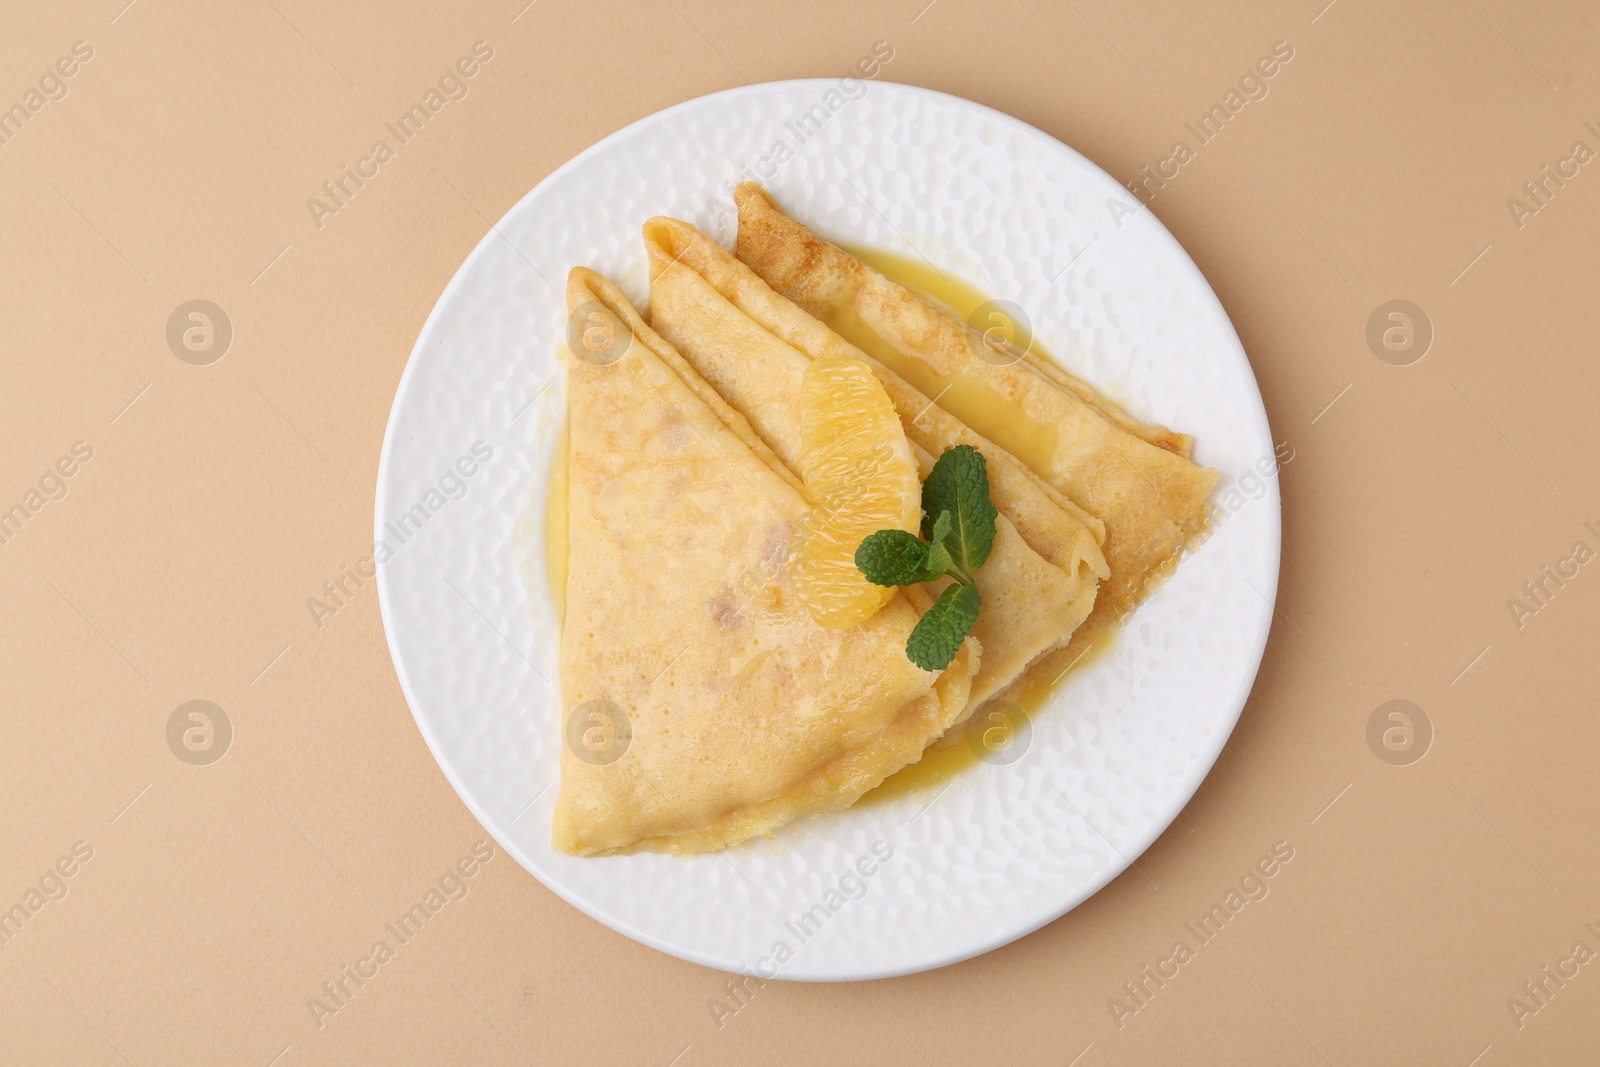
x=1124, y=742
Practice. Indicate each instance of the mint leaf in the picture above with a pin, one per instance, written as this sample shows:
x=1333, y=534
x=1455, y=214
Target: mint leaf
x=895, y=557
x=959, y=485
x=939, y=633
x=938, y=556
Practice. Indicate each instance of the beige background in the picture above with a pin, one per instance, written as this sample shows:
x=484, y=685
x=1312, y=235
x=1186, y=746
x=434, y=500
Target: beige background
x=219, y=498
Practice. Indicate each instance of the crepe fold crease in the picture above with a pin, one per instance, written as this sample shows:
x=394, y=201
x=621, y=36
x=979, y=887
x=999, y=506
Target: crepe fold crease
x=740, y=713
x=1135, y=478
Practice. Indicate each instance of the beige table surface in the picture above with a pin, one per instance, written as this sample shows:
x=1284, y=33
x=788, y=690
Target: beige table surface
x=207, y=903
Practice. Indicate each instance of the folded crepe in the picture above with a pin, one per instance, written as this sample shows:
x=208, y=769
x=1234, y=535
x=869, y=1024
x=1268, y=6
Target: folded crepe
x=1135, y=478
x=712, y=718
x=753, y=345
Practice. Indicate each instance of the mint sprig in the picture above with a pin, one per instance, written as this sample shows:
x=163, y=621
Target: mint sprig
x=958, y=533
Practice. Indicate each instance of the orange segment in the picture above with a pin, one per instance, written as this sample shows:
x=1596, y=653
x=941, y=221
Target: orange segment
x=861, y=478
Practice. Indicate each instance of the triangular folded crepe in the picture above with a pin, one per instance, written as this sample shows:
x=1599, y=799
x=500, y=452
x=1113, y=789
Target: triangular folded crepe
x=1137, y=479
x=695, y=719
x=752, y=345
